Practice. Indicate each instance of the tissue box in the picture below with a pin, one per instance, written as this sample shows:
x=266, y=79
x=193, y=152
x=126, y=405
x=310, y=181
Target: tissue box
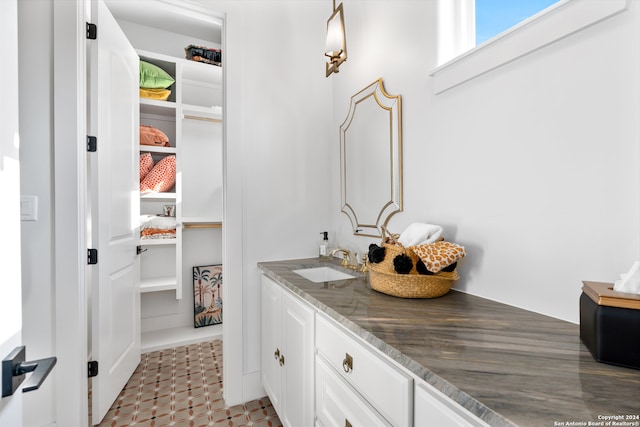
x=610, y=324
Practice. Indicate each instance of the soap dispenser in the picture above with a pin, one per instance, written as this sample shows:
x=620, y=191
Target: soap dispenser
x=323, y=250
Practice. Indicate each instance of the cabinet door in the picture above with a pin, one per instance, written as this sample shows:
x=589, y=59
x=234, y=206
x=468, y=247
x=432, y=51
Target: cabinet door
x=297, y=336
x=432, y=408
x=271, y=348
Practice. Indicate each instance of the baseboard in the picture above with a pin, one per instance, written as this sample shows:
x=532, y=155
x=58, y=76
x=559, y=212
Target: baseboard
x=252, y=386
x=175, y=337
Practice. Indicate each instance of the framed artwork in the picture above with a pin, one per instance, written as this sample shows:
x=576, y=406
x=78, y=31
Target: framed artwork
x=207, y=295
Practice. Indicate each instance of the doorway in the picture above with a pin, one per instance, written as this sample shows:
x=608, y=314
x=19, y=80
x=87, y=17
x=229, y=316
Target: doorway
x=58, y=266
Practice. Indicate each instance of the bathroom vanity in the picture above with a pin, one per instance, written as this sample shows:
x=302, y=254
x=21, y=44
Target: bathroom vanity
x=358, y=357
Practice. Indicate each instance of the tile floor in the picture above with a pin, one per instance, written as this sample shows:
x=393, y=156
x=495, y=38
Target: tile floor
x=182, y=387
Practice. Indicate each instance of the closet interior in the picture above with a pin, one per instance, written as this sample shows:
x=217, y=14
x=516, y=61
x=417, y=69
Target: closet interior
x=181, y=224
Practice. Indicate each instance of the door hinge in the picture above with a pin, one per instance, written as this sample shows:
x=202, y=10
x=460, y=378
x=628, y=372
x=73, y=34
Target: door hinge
x=93, y=368
x=92, y=144
x=92, y=256
x=92, y=31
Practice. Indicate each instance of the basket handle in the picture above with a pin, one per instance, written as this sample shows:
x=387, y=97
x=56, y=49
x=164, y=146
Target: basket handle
x=390, y=238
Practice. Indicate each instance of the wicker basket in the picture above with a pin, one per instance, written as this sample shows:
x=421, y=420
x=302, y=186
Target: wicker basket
x=411, y=285
x=383, y=278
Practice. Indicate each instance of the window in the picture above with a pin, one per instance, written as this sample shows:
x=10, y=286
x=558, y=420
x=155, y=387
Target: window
x=461, y=59
x=496, y=16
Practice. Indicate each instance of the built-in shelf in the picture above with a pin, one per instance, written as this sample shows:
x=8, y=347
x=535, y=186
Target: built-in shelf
x=155, y=149
x=204, y=225
x=158, y=242
x=158, y=284
x=174, y=337
x=158, y=196
x=191, y=120
x=201, y=73
x=196, y=112
x=200, y=222
x=159, y=108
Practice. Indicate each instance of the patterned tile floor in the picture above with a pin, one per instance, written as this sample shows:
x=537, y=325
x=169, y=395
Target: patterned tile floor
x=182, y=387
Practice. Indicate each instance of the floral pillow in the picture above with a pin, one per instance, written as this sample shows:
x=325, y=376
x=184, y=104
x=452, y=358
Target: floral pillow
x=146, y=164
x=162, y=177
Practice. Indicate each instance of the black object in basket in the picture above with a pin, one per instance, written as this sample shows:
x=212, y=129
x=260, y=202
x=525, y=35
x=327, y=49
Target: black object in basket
x=204, y=54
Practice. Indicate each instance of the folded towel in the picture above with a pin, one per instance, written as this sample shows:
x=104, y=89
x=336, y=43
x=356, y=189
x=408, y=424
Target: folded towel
x=420, y=234
x=157, y=233
x=439, y=255
x=158, y=222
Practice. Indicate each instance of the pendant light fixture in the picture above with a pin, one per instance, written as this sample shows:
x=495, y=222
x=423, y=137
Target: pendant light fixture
x=336, y=48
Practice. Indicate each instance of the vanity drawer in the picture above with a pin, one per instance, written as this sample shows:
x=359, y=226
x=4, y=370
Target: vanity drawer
x=383, y=385
x=337, y=404
x=432, y=408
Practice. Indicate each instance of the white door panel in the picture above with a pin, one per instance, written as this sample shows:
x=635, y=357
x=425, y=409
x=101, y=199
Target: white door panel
x=114, y=120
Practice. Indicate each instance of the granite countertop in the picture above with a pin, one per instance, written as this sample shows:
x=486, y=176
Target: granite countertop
x=506, y=365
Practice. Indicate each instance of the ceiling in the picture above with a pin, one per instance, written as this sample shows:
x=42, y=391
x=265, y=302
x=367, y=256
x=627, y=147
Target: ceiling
x=177, y=16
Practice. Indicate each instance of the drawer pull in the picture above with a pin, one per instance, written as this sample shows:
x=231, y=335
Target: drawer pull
x=276, y=354
x=282, y=360
x=347, y=423
x=347, y=363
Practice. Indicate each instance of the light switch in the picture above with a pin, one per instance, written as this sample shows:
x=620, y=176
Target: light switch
x=29, y=208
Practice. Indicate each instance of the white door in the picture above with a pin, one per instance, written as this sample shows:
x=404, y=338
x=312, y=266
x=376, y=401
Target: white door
x=114, y=120
x=11, y=288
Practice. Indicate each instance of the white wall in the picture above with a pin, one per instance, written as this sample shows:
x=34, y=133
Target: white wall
x=285, y=141
x=533, y=167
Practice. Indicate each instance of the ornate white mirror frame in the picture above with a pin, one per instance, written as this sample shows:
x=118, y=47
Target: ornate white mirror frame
x=371, y=159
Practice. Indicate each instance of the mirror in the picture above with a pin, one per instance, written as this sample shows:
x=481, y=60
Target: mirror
x=371, y=159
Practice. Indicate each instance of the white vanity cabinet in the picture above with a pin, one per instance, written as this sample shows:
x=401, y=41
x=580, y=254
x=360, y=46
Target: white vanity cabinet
x=433, y=408
x=309, y=358
x=380, y=384
x=287, y=354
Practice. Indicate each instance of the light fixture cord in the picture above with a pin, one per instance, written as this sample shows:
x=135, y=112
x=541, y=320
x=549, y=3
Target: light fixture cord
x=334, y=5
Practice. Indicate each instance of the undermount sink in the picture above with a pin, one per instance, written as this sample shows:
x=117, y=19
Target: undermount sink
x=323, y=274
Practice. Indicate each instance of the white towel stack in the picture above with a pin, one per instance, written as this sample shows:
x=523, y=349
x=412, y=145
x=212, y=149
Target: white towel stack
x=420, y=234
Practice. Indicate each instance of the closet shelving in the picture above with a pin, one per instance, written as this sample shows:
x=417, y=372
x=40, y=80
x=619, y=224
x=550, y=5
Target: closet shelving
x=160, y=261
x=192, y=119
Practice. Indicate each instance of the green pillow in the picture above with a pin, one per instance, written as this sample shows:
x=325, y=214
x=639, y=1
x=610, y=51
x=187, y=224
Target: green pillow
x=154, y=77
